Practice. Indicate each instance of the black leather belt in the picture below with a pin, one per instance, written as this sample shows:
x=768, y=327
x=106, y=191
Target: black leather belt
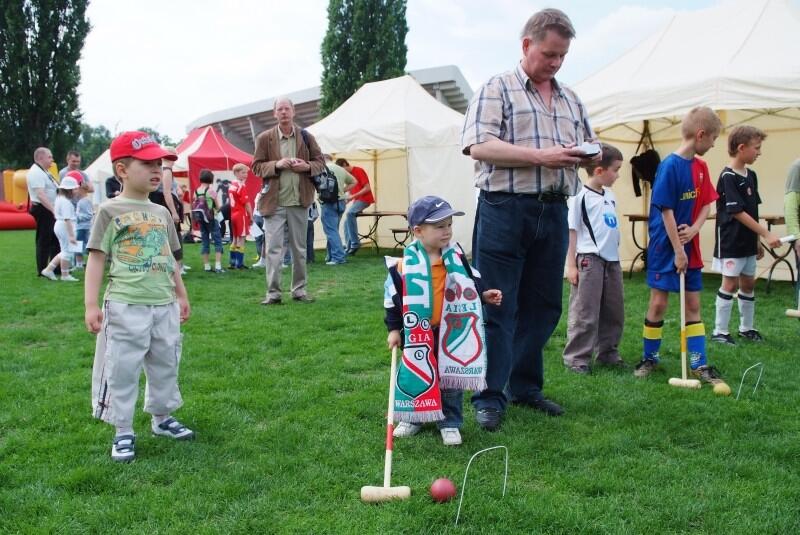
x=546, y=197
x=551, y=197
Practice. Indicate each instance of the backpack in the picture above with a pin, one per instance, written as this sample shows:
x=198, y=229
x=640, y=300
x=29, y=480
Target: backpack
x=325, y=183
x=200, y=209
x=327, y=186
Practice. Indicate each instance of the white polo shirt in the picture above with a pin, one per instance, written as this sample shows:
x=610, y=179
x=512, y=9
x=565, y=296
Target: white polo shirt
x=39, y=178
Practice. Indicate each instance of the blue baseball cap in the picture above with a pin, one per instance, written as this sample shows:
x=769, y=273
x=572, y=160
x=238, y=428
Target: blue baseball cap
x=429, y=209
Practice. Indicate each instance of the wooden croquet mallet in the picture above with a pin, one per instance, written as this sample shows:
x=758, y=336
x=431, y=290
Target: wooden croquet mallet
x=683, y=382
x=387, y=491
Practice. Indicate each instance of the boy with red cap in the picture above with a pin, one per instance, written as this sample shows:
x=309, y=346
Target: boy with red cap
x=144, y=303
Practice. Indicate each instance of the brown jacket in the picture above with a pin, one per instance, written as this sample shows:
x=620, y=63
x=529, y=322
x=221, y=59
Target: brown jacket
x=267, y=154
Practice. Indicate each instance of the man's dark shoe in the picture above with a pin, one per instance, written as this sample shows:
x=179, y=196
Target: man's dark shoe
x=303, y=298
x=488, y=418
x=548, y=407
x=580, y=369
x=271, y=301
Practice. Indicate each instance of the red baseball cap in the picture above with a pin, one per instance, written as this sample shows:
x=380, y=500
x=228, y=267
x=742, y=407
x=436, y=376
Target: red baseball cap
x=139, y=145
x=76, y=175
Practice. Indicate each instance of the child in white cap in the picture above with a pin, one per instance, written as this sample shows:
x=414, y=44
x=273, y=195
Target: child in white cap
x=64, y=229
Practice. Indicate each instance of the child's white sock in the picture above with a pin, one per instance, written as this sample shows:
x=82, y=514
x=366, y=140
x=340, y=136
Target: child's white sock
x=217, y=265
x=747, y=310
x=724, y=307
x=206, y=266
x=124, y=430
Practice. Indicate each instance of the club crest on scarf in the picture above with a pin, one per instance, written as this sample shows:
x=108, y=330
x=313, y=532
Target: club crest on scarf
x=462, y=340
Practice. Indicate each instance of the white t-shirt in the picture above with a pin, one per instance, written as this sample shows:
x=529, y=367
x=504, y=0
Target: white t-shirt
x=602, y=217
x=64, y=209
x=38, y=178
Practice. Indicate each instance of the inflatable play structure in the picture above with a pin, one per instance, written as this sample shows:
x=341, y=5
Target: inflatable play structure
x=14, y=201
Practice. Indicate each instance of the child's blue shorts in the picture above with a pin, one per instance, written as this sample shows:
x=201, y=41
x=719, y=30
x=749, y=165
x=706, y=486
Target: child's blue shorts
x=670, y=281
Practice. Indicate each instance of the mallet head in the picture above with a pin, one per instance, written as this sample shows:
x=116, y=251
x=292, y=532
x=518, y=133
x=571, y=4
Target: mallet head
x=684, y=383
x=384, y=494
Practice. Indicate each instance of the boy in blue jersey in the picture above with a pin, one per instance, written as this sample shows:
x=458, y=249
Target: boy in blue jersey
x=681, y=200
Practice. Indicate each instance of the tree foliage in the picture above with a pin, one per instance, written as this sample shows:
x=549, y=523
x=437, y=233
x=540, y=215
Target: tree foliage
x=365, y=42
x=92, y=142
x=40, y=45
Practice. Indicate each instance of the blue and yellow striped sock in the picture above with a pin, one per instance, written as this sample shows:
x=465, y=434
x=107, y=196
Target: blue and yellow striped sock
x=696, y=344
x=652, y=339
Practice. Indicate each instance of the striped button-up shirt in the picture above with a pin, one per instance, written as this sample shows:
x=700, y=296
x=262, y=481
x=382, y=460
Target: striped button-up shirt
x=508, y=107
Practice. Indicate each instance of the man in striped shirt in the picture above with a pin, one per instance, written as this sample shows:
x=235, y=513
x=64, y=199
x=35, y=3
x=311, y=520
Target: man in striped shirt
x=524, y=129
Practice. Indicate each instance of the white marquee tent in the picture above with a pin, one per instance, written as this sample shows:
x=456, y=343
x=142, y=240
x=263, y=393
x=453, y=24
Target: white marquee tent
x=409, y=144
x=741, y=59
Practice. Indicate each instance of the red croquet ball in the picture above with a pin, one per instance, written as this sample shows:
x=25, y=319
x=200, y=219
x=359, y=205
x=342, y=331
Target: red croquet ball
x=442, y=490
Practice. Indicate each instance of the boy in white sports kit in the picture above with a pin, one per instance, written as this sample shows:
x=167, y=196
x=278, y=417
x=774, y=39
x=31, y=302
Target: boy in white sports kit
x=596, y=306
x=737, y=244
x=144, y=303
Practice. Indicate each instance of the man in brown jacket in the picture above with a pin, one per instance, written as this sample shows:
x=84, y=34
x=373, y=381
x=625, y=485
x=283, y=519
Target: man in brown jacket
x=286, y=157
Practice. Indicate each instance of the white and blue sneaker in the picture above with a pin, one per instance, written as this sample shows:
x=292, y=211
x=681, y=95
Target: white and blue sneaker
x=123, y=448
x=173, y=428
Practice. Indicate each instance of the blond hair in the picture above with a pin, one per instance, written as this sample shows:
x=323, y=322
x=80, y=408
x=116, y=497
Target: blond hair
x=239, y=167
x=548, y=19
x=700, y=118
x=742, y=135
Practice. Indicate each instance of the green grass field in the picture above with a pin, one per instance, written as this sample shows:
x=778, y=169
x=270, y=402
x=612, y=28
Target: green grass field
x=288, y=404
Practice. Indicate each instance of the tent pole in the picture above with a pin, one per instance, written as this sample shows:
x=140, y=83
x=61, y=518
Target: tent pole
x=375, y=177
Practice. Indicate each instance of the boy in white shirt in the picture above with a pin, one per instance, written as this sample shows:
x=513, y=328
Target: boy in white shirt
x=596, y=306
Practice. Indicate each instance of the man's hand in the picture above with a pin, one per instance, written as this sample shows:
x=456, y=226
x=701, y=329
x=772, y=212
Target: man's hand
x=283, y=163
x=393, y=340
x=559, y=157
x=93, y=317
x=686, y=233
x=681, y=261
x=300, y=166
x=175, y=218
x=493, y=297
x=572, y=275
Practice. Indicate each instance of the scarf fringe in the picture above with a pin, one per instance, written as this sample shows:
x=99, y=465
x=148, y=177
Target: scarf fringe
x=419, y=417
x=475, y=384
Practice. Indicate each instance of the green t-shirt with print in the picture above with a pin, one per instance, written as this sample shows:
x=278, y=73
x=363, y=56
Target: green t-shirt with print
x=140, y=239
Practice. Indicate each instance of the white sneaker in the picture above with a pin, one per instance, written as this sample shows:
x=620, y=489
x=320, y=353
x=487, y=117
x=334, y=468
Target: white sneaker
x=451, y=436
x=69, y=278
x=172, y=428
x=49, y=274
x=123, y=449
x=260, y=264
x=405, y=429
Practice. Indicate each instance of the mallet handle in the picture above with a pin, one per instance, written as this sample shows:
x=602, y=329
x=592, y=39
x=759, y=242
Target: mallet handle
x=683, y=326
x=387, y=466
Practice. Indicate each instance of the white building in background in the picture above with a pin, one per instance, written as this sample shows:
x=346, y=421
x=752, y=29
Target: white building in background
x=241, y=124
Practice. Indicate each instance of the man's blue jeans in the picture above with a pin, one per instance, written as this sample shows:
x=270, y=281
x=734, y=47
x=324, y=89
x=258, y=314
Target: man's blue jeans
x=331, y=217
x=350, y=226
x=520, y=244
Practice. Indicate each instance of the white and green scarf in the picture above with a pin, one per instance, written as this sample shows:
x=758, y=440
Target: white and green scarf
x=461, y=362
